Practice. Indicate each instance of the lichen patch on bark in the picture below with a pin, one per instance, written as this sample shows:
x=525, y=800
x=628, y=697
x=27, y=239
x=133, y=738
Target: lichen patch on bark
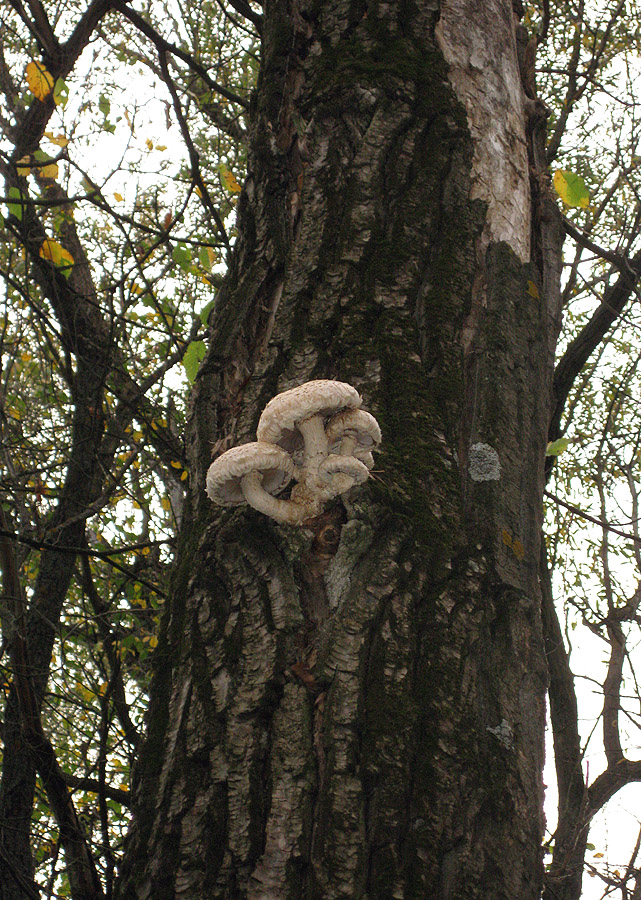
x=478, y=43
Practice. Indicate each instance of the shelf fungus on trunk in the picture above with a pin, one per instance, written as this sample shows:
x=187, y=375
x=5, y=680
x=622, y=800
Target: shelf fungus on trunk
x=316, y=434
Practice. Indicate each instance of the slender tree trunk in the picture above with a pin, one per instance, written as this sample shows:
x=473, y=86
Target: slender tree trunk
x=356, y=710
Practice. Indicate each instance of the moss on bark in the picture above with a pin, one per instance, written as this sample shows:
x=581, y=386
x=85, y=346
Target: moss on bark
x=395, y=751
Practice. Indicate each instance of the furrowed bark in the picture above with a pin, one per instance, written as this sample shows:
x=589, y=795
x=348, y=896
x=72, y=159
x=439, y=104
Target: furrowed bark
x=356, y=710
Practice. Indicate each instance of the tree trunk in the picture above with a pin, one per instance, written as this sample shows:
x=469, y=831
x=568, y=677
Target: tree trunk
x=356, y=709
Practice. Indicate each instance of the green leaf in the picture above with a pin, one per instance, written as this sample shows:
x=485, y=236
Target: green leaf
x=206, y=310
x=15, y=209
x=207, y=258
x=182, y=256
x=54, y=252
x=48, y=168
x=554, y=448
x=229, y=179
x=571, y=188
x=91, y=188
x=60, y=92
x=104, y=105
x=194, y=355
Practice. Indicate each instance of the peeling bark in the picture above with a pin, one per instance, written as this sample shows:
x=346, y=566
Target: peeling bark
x=362, y=716
x=478, y=42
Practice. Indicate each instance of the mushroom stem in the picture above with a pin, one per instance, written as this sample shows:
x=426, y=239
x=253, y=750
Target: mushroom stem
x=348, y=444
x=316, y=446
x=282, y=510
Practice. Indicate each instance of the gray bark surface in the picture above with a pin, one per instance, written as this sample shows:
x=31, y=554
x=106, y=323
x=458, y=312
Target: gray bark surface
x=356, y=710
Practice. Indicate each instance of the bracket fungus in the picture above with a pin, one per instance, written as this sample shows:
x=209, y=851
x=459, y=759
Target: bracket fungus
x=316, y=434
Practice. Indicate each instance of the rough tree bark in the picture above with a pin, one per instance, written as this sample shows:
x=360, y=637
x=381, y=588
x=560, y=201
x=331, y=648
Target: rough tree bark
x=356, y=710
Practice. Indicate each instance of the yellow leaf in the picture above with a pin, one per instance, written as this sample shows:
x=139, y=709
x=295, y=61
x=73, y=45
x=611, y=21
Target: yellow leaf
x=23, y=166
x=175, y=464
x=56, y=253
x=39, y=80
x=229, y=180
x=153, y=641
x=160, y=147
x=533, y=290
x=145, y=551
x=571, y=188
x=58, y=139
x=118, y=197
x=184, y=476
x=165, y=503
x=150, y=145
x=49, y=171
x=506, y=537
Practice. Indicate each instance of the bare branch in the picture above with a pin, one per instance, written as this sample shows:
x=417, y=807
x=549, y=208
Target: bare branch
x=579, y=512
x=248, y=13
x=579, y=351
x=166, y=47
x=193, y=153
x=621, y=262
x=83, y=878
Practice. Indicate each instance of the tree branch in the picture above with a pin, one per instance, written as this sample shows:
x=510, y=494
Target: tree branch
x=77, y=551
x=579, y=351
x=563, y=880
x=621, y=262
x=193, y=153
x=83, y=878
x=119, y=696
x=163, y=46
x=247, y=12
x=612, y=780
x=589, y=518
x=93, y=786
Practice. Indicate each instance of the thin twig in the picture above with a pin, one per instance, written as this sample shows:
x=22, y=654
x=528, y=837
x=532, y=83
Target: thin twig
x=584, y=515
x=80, y=551
x=163, y=46
x=194, y=158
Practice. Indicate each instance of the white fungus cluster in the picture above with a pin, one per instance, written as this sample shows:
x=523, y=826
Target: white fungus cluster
x=316, y=434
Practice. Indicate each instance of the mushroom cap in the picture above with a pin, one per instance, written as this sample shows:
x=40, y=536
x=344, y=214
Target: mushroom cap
x=282, y=414
x=345, y=471
x=225, y=473
x=357, y=424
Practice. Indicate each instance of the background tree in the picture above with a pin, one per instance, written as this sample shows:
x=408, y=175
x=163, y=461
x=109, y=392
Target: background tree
x=355, y=708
